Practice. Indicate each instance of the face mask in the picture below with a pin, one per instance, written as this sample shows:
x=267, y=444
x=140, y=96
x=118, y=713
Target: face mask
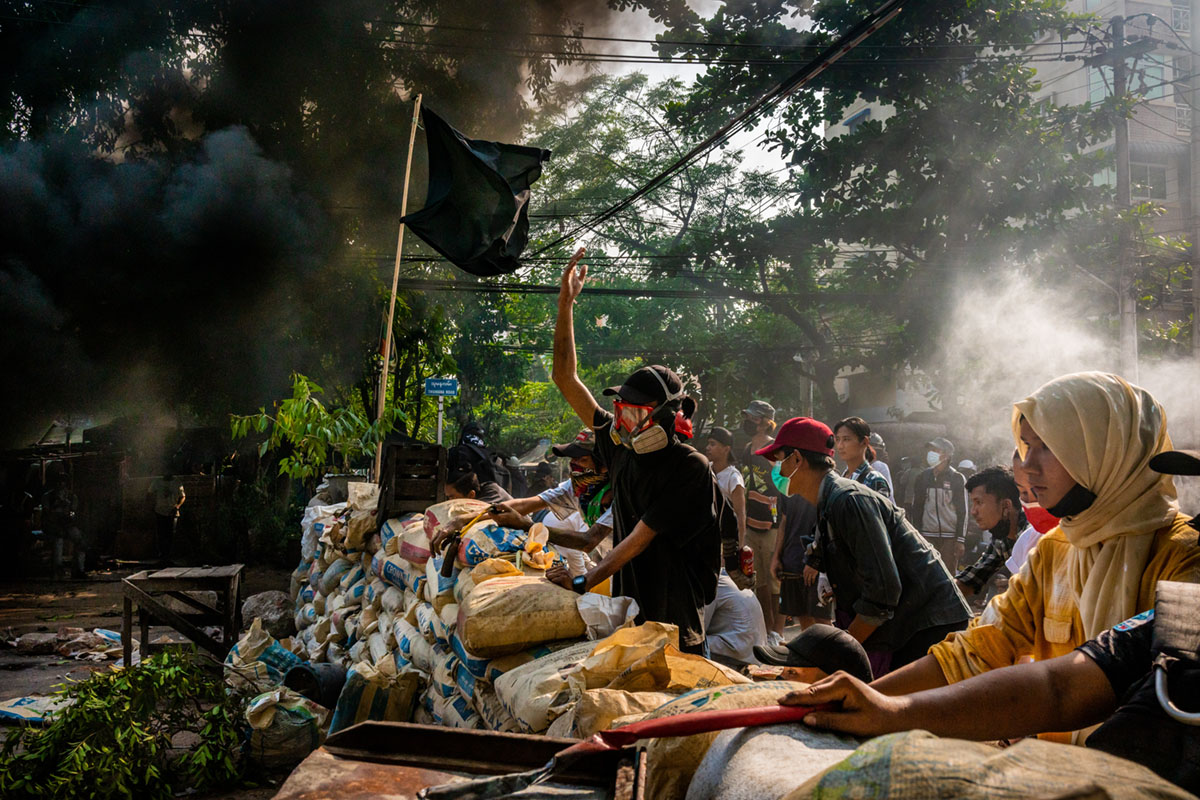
x=582, y=478
x=1001, y=529
x=1073, y=502
x=933, y=458
x=1041, y=519
x=749, y=427
x=781, y=482
x=652, y=438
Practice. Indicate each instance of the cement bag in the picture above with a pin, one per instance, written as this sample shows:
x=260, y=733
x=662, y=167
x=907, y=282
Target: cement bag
x=376, y=589
x=284, y=728
x=377, y=647
x=421, y=654
x=313, y=525
x=306, y=595
x=451, y=514
x=358, y=652
x=353, y=596
x=506, y=615
x=671, y=762
x=387, y=626
x=597, y=709
x=468, y=579
x=485, y=540
x=392, y=601
x=456, y=712
x=375, y=693
x=352, y=576
x=363, y=500
x=391, y=535
x=404, y=634
x=491, y=711
x=498, y=666
x=476, y=666
x=425, y=617
x=368, y=622
x=306, y=616
x=395, y=572
x=535, y=694
x=918, y=764
x=323, y=629
x=299, y=579
x=466, y=682
x=257, y=660
x=445, y=671
x=604, y=615
x=766, y=762
x=331, y=578
x=439, y=589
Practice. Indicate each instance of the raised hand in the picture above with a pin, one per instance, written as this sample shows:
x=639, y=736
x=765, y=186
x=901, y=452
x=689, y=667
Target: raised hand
x=572, y=279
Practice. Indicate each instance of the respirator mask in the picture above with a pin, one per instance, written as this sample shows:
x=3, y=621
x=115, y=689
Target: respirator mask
x=933, y=458
x=635, y=426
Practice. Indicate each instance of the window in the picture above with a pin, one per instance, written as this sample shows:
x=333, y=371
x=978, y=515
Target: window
x=1181, y=15
x=1183, y=118
x=1152, y=78
x=1180, y=69
x=1147, y=181
x=854, y=121
x=1099, y=84
x=1105, y=177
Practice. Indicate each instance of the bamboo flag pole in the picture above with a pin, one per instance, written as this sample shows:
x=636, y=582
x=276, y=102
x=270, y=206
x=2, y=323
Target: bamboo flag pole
x=391, y=319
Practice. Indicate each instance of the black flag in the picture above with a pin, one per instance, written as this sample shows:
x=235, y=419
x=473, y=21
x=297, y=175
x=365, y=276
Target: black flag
x=476, y=212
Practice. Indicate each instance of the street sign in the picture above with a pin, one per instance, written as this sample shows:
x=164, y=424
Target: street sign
x=441, y=387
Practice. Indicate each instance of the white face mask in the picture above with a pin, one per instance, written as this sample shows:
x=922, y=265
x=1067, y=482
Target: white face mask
x=933, y=458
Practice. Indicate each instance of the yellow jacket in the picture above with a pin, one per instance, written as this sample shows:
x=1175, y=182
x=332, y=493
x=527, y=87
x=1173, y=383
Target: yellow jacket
x=1039, y=614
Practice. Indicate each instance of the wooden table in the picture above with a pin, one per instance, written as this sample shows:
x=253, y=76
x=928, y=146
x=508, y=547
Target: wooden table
x=148, y=589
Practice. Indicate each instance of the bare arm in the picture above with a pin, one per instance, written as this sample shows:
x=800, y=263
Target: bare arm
x=633, y=544
x=739, y=511
x=564, y=373
x=1064, y=693
x=924, y=673
x=579, y=540
x=777, y=556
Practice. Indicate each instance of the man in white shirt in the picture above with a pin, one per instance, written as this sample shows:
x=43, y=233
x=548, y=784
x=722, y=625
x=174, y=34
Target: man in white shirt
x=880, y=462
x=729, y=478
x=581, y=505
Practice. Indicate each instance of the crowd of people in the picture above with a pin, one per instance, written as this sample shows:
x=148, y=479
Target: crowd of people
x=1083, y=522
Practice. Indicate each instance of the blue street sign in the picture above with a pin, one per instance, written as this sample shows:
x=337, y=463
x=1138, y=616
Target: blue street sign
x=441, y=387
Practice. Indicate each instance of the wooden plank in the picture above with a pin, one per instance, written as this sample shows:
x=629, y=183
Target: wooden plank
x=182, y=584
x=148, y=603
x=169, y=572
x=415, y=487
x=226, y=570
x=205, y=609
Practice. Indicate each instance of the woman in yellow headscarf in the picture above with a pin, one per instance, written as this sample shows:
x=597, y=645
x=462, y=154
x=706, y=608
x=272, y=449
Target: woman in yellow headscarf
x=1085, y=441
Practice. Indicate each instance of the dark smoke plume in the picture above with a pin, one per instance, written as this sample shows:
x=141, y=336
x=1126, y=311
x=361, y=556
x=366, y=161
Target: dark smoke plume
x=193, y=194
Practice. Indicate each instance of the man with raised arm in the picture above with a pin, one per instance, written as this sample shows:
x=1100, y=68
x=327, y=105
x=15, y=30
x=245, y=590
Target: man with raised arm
x=666, y=534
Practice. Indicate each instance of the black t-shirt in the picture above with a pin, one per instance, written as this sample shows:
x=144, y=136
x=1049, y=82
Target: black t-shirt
x=800, y=533
x=672, y=491
x=1140, y=730
x=761, y=494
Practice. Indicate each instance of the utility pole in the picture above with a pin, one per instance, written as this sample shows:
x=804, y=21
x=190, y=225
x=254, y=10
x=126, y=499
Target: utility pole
x=1194, y=174
x=1117, y=57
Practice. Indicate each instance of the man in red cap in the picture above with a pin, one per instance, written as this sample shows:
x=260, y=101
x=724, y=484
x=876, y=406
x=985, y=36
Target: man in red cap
x=666, y=527
x=893, y=592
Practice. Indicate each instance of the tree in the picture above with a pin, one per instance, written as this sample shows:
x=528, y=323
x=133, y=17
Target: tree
x=968, y=174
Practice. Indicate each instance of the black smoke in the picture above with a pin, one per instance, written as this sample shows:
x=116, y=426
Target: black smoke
x=196, y=197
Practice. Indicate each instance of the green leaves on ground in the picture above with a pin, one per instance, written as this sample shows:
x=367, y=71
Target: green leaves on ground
x=120, y=737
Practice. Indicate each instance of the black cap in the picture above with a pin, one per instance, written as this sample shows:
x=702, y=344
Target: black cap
x=583, y=445
x=942, y=445
x=1177, y=462
x=644, y=389
x=825, y=647
x=543, y=468
x=721, y=435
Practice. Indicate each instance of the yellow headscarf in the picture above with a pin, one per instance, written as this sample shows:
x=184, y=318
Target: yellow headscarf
x=1104, y=431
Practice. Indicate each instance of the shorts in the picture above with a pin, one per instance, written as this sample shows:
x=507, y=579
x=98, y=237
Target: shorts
x=763, y=545
x=798, y=600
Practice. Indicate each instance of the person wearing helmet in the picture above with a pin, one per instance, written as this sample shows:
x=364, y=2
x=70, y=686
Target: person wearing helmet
x=666, y=510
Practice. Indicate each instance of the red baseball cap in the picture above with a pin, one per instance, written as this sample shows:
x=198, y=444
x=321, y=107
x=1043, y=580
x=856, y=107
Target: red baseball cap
x=801, y=433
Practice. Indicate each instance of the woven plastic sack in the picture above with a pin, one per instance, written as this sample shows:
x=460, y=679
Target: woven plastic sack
x=258, y=660
x=377, y=693
x=451, y=514
x=509, y=614
x=284, y=728
x=918, y=764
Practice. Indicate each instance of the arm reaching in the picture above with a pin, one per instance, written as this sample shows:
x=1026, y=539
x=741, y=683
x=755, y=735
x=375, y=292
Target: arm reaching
x=565, y=374
x=1064, y=693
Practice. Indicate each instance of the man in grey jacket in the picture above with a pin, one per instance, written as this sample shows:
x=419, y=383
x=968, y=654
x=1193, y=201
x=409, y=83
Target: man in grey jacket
x=940, y=503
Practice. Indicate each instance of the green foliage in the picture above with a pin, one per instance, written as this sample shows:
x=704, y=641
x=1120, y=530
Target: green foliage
x=312, y=434
x=115, y=739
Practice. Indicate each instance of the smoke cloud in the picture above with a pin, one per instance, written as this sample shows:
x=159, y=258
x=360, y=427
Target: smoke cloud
x=1009, y=334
